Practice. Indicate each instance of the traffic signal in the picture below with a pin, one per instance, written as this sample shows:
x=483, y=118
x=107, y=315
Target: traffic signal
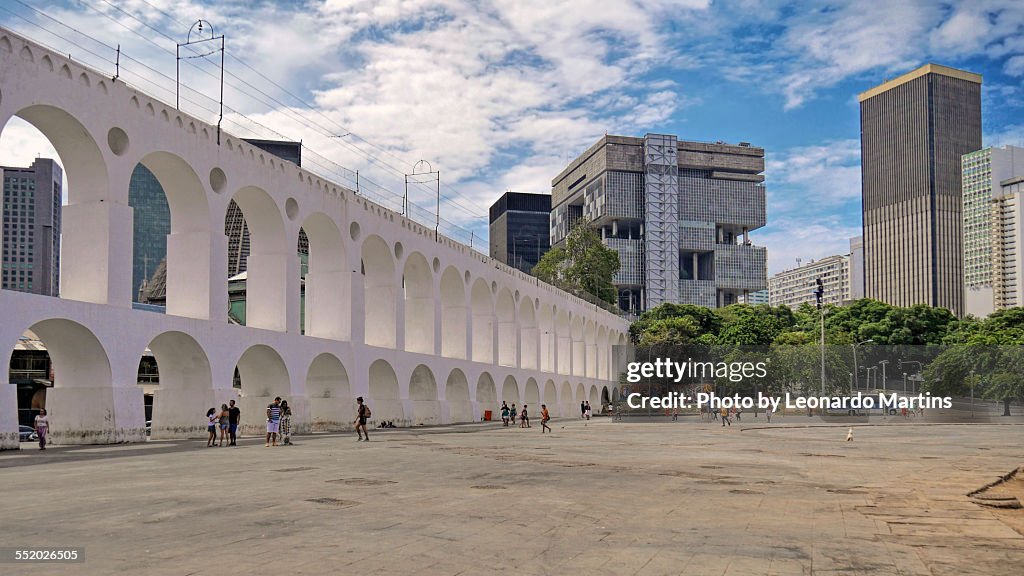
x=819, y=293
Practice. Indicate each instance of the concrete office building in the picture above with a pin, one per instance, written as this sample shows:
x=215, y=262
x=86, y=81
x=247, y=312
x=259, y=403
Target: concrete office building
x=842, y=276
x=678, y=213
x=30, y=256
x=518, y=229
x=988, y=207
x=914, y=129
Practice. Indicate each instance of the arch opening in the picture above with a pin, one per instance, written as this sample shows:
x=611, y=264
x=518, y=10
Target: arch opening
x=456, y=395
x=331, y=405
x=568, y=408
x=262, y=376
x=176, y=375
x=453, y=314
x=257, y=294
x=528, y=351
x=418, y=288
x=379, y=293
x=327, y=282
x=483, y=322
x=551, y=398
x=486, y=393
x=383, y=396
x=508, y=336
x=531, y=397
x=564, y=343
x=426, y=408
x=510, y=391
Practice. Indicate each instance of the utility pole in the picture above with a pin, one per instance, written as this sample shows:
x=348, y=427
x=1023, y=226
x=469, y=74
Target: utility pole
x=819, y=293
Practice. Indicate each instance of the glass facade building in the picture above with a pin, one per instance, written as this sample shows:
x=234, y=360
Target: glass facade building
x=30, y=253
x=518, y=229
x=151, y=221
x=677, y=212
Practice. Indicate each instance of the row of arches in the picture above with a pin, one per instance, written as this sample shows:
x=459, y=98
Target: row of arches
x=320, y=391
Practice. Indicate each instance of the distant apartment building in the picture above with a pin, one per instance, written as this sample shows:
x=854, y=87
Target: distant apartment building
x=755, y=298
x=30, y=253
x=989, y=224
x=679, y=214
x=839, y=275
x=914, y=129
x=1008, y=236
x=518, y=229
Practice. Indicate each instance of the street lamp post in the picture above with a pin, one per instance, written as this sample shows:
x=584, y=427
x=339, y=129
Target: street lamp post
x=819, y=294
x=856, y=375
x=882, y=364
x=972, y=393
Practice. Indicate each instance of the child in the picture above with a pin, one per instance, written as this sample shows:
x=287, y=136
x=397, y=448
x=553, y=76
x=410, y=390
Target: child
x=544, y=417
x=504, y=414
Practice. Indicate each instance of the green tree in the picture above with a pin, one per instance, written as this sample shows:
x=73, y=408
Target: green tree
x=584, y=264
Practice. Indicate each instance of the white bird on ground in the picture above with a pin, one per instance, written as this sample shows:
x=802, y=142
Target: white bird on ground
x=849, y=435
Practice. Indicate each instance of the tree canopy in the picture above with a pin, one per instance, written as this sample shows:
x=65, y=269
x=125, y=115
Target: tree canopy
x=583, y=265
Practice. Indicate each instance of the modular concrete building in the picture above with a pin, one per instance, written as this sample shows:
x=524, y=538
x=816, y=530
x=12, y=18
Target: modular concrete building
x=679, y=213
x=914, y=129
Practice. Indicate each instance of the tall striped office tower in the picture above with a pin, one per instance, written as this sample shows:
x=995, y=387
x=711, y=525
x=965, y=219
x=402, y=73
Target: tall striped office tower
x=914, y=129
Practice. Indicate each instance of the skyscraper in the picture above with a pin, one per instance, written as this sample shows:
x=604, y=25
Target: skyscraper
x=30, y=257
x=677, y=212
x=151, y=222
x=518, y=229
x=914, y=129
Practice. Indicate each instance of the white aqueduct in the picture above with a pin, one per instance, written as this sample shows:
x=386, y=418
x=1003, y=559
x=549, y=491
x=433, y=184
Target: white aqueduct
x=426, y=329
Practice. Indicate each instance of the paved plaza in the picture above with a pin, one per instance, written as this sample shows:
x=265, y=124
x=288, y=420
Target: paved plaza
x=602, y=498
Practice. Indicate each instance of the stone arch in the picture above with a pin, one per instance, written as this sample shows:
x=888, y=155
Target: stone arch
x=567, y=406
x=264, y=376
x=564, y=342
x=85, y=246
x=531, y=395
x=486, y=394
x=547, y=337
x=483, y=322
x=418, y=288
x=82, y=404
x=328, y=289
x=590, y=351
x=606, y=396
x=383, y=399
x=330, y=395
x=579, y=355
x=616, y=395
x=550, y=397
x=379, y=293
x=266, y=275
x=426, y=409
x=528, y=359
x=186, y=386
x=508, y=336
x=581, y=394
x=453, y=314
x=510, y=391
x=189, y=290
x=456, y=395
x=595, y=399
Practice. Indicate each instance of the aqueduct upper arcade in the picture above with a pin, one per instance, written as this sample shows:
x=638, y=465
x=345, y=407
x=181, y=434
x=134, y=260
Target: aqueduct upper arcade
x=424, y=327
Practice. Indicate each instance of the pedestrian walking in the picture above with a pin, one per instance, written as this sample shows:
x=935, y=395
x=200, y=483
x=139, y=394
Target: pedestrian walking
x=768, y=415
x=512, y=413
x=675, y=414
x=273, y=421
x=211, y=426
x=524, y=418
x=222, y=424
x=725, y=417
x=234, y=415
x=586, y=410
x=583, y=409
x=42, y=424
x=362, y=415
x=504, y=414
x=286, y=424
x=544, y=418
x=737, y=412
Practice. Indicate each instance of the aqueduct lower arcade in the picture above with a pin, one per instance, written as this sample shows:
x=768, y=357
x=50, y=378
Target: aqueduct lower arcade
x=426, y=329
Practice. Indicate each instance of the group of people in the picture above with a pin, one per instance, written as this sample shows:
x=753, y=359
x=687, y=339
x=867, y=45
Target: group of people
x=226, y=421
x=585, y=410
x=508, y=414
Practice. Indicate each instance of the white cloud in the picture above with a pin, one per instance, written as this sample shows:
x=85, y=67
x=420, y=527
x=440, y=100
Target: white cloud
x=827, y=174
x=805, y=238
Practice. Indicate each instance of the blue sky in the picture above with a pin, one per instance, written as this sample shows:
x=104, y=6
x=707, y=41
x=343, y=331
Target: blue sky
x=498, y=94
